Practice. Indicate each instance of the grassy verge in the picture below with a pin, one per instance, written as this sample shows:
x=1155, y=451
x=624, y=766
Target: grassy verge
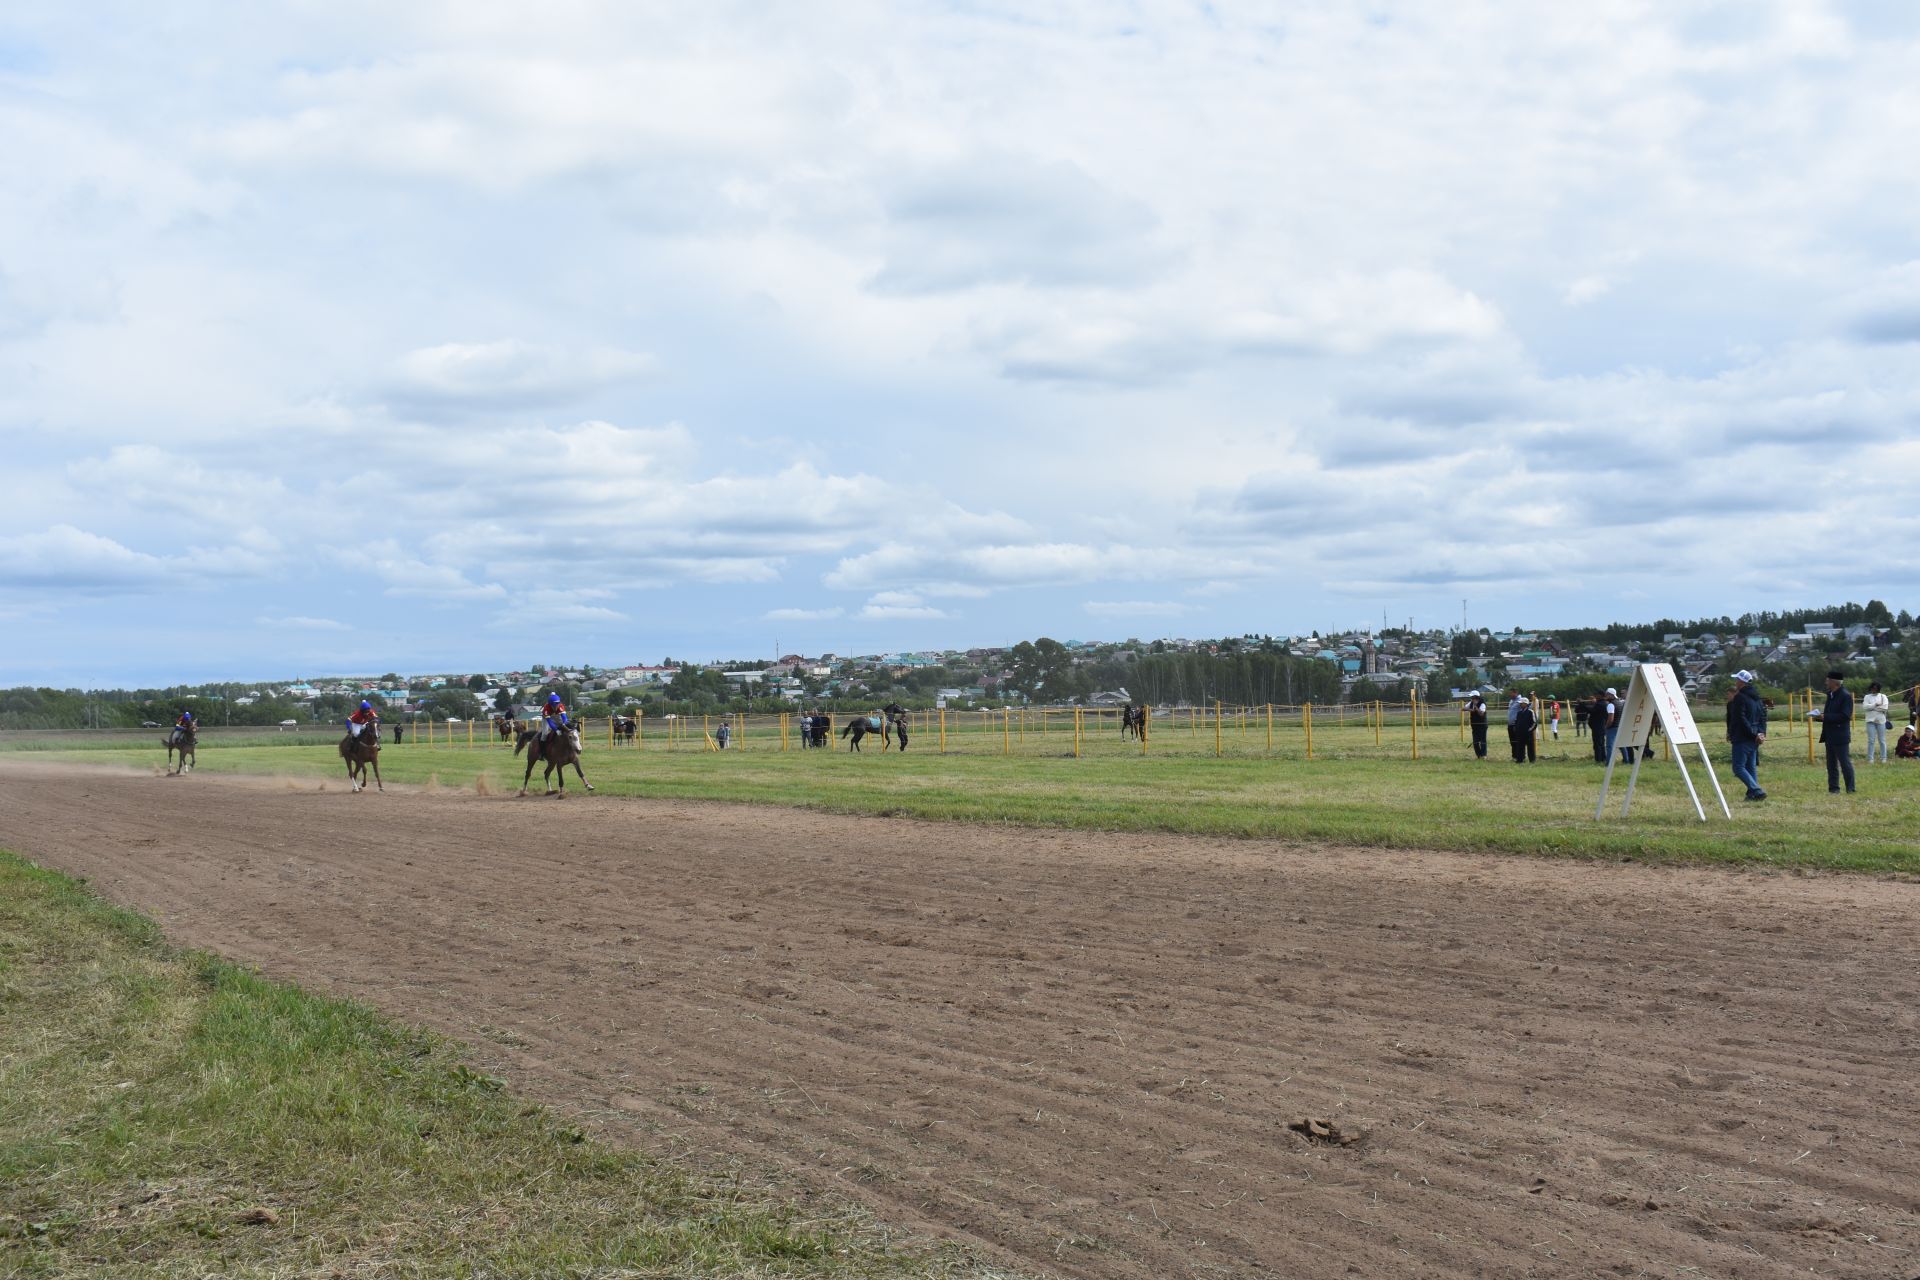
x=1445, y=800
x=170, y=1115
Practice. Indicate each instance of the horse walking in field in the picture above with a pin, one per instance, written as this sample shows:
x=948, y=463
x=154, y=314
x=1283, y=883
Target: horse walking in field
x=362, y=753
x=557, y=750
x=503, y=728
x=183, y=741
x=873, y=726
x=1133, y=721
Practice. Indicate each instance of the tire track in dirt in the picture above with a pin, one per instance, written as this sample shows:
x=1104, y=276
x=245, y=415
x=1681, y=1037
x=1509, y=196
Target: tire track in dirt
x=1084, y=1051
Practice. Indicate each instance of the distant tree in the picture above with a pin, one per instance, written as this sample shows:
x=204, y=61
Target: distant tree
x=477, y=682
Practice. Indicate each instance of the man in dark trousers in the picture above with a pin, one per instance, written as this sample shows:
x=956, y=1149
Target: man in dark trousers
x=1746, y=730
x=1520, y=732
x=1836, y=732
x=1599, y=713
x=1477, y=721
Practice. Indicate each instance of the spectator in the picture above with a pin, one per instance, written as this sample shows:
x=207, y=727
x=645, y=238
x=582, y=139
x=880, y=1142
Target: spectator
x=1875, y=704
x=900, y=729
x=1908, y=748
x=1746, y=730
x=1522, y=729
x=1477, y=722
x=806, y=732
x=722, y=735
x=1613, y=721
x=1598, y=713
x=1836, y=732
x=1555, y=706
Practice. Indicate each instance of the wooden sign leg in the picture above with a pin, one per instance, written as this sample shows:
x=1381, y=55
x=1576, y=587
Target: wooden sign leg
x=1600, y=810
x=1690, y=791
x=1639, y=758
x=1707, y=762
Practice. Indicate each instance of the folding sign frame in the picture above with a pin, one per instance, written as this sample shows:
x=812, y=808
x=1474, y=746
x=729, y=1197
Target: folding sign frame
x=1655, y=693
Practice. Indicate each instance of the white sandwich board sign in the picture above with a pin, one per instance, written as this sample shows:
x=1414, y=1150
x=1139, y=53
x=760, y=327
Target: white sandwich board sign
x=1654, y=694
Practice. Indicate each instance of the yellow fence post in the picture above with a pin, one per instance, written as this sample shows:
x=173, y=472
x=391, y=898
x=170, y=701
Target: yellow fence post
x=1216, y=726
x=639, y=728
x=469, y=735
x=943, y=731
x=1006, y=735
x=1379, y=714
x=1415, y=704
x=1146, y=718
x=1076, y=732
x=1306, y=723
x=1809, y=719
x=1269, y=728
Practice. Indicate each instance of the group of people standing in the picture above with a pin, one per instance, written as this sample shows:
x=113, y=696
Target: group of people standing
x=1525, y=720
x=1747, y=730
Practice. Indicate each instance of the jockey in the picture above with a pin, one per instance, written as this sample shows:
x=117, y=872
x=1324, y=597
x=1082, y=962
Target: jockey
x=360, y=719
x=553, y=717
x=184, y=726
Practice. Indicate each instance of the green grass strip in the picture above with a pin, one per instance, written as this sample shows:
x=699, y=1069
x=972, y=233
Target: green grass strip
x=167, y=1114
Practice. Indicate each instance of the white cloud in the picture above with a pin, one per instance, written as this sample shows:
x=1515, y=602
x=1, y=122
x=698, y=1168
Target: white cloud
x=295, y=622
x=1136, y=608
x=803, y=615
x=506, y=374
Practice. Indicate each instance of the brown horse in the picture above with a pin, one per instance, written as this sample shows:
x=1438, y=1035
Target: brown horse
x=559, y=749
x=503, y=727
x=183, y=741
x=360, y=753
x=1133, y=721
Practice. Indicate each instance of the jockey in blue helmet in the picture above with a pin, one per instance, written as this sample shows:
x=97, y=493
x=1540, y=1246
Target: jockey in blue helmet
x=183, y=726
x=554, y=716
x=360, y=719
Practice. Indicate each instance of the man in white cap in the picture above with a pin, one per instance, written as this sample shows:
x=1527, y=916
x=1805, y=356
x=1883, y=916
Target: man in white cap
x=1746, y=730
x=1613, y=721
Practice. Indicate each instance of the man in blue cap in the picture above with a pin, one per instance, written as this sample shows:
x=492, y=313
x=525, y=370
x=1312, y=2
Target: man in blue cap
x=1746, y=730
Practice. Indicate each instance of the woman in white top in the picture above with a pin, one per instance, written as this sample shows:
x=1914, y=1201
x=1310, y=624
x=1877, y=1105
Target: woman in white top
x=1875, y=705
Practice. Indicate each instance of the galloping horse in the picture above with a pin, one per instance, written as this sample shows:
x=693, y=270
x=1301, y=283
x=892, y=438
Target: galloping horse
x=559, y=749
x=360, y=753
x=181, y=740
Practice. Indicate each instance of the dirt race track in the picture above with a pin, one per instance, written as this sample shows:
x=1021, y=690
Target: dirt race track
x=1083, y=1053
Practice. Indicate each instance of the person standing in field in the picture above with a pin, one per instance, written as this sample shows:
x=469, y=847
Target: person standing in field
x=1875, y=704
x=1477, y=723
x=1555, y=705
x=1836, y=732
x=1613, y=721
x=1521, y=730
x=1746, y=730
x=1599, y=712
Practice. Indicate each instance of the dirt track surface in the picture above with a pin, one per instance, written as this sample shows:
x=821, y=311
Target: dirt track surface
x=1083, y=1052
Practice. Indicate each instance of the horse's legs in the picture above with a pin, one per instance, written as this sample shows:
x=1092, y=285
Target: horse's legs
x=528, y=775
x=576, y=769
x=375, y=762
x=547, y=778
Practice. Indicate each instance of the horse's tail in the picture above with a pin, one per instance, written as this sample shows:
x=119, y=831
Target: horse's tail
x=849, y=729
x=521, y=740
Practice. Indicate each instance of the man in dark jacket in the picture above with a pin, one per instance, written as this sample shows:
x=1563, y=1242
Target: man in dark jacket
x=1746, y=730
x=1520, y=732
x=1599, y=715
x=1477, y=722
x=1836, y=731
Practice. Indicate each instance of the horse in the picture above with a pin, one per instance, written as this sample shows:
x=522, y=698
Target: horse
x=822, y=728
x=360, y=752
x=558, y=750
x=1133, y=721
x=874, y=725
x=624, y=727
x=502, y=728
x=181, y=740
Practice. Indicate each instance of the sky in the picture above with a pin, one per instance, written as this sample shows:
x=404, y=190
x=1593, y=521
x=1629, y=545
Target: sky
x=354, y=337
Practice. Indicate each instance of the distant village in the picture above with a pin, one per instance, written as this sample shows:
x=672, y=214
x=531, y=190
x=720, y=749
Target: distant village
x=1388, y=663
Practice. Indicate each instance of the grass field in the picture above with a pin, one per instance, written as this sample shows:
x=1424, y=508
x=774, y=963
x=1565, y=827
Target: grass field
x=1352, y=792
x=165, y=1114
